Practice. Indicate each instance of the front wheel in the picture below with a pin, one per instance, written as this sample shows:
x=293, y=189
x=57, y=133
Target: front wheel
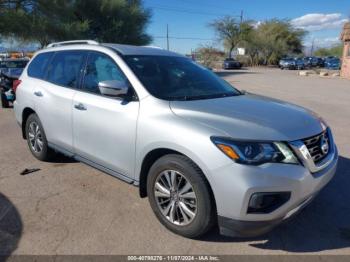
x=180, y=196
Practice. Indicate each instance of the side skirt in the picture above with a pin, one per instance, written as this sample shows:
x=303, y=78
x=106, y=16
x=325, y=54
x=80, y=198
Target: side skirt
x=93, y=164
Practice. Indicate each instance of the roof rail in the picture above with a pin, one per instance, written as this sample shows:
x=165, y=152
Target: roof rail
x=153, y=46
x=73, y=42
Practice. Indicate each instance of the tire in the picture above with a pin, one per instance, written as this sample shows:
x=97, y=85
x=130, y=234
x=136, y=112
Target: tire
x=186, y=172
x=33, y=127
x=4, y=102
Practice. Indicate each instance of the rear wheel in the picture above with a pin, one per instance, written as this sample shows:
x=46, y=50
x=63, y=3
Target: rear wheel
x=180, y=197
x=36, y=139
x=4, y=102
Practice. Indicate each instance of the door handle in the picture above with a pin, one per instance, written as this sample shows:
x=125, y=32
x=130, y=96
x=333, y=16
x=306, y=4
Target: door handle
x=80, y=106
x=38, y=93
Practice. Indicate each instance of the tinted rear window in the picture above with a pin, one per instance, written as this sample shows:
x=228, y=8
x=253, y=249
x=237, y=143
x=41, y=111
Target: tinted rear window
x=37, y=68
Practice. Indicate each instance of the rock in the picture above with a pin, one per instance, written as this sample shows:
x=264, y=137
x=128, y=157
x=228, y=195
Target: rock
x=303, y=73
x=323, y=73
x=335, y=74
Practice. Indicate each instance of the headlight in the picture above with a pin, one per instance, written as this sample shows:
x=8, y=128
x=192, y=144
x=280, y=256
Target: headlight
x=255, y=153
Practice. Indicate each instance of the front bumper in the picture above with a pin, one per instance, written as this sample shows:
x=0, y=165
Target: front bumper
x=231, y=66
x=233, y=218
x=288, y=66
x=244, y=229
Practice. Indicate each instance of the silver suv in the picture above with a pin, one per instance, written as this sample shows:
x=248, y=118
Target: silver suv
x=202, y=151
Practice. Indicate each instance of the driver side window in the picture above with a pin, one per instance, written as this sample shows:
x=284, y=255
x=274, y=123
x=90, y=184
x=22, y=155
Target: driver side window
x=100, y=67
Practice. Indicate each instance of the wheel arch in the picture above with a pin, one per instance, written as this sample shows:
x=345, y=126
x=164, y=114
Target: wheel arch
x=151, y=157
x=25, y=114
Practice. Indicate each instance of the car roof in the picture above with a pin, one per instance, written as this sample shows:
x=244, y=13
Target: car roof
x=119, y=48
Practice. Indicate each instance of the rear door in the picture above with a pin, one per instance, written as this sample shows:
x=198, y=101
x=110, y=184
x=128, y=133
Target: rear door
x=105, y=127
x=54, y=97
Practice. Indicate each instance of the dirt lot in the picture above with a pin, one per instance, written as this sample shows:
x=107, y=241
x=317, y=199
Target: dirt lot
x=70, y=208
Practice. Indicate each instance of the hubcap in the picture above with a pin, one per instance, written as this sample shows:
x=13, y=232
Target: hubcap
x=175, y=197
x=35, y=137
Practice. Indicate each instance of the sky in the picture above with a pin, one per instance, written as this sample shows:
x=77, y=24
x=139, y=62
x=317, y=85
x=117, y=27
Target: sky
x=188, y=19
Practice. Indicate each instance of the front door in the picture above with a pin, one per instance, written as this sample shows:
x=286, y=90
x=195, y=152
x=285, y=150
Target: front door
x=104, y=128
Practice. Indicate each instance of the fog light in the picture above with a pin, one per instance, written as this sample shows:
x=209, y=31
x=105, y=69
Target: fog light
x=263, y=203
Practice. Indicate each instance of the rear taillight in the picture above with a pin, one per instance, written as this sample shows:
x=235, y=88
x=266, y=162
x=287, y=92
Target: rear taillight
x=15, y=85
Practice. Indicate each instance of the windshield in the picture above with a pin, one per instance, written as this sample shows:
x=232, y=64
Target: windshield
x=13, y=64
x=178, y=78
x=334, y=60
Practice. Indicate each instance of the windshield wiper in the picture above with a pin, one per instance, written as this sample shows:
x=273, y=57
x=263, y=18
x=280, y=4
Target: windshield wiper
x=201, y=97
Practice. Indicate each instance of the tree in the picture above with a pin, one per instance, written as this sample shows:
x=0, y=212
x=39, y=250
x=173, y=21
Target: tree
x=271, y=40
x=122, y=21
x=209, y=56
x=336, y=50
x=279, y=38
x=230, y=31
x=38, y=21
x=253, y=46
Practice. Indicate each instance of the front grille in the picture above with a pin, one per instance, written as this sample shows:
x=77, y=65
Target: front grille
x=318, y=146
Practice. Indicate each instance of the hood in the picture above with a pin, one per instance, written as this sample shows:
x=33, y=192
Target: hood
x=251, y=117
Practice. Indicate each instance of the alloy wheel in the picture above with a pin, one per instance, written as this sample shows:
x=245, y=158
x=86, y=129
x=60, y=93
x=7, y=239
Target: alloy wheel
x=175, y=197
x=35, y=137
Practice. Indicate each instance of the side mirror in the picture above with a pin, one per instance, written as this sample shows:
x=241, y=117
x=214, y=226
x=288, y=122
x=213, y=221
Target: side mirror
x=113, y=88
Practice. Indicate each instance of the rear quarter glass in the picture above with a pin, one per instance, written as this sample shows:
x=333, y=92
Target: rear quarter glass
x=38, y=67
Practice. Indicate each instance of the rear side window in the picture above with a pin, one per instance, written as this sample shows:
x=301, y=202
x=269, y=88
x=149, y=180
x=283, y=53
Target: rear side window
x=37, y=68
x=65, y=68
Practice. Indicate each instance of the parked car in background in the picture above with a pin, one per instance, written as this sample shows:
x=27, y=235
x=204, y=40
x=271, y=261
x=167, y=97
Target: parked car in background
x=287, y=63
x=292, y=63
x=329, y=57
x=319, y=62
x=10, y=70
x=299, y=63
x=231, y=63
x=307, y=62
x=9, y=64
x=201, y=150
x=332, y=63
x=312, y=61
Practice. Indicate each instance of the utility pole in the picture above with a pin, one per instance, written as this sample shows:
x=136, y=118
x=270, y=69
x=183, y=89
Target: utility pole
x=167, y=36
x=241, y=16
x=312, y=46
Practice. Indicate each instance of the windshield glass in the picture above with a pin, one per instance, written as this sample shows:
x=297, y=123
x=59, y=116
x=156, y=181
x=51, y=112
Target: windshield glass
x=334, y=60
x=13, y=64
x=178, y=78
